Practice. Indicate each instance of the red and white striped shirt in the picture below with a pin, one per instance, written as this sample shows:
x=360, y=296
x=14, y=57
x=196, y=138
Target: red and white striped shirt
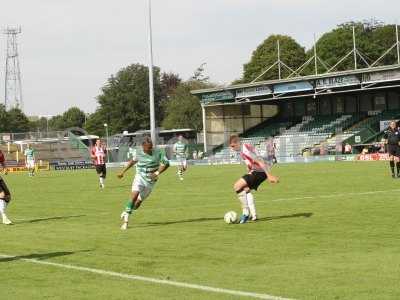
x=100, y=155
x=249, y=155
x=2, y=159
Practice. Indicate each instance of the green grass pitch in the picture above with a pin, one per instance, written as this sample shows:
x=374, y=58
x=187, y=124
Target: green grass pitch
x=327, y=231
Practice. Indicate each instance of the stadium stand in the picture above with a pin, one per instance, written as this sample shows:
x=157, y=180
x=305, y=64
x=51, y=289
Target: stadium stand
x=268, y=128
x=368, y=129
x=311, y=131
x=50, y=147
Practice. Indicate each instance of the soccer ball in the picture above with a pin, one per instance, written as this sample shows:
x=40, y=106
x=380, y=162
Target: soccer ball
x=230, y=217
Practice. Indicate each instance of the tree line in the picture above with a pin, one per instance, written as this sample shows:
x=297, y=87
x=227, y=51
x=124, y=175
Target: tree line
x=124, y=105
x=372, y=40
x=124, y=99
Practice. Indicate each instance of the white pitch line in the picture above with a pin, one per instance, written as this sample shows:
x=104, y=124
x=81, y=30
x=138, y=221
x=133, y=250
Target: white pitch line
x=336, y=195
x=150, y=279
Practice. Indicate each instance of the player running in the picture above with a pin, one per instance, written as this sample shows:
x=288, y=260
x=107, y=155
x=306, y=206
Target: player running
x=98, y=154
x=30, y=160
x=258, y=172
x=392, y=140
x=150, y=163
x=181, y=152
x=5, y=195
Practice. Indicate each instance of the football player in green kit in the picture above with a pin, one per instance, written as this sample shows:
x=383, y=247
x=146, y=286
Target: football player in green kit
x=150, y=163
x=181, y=150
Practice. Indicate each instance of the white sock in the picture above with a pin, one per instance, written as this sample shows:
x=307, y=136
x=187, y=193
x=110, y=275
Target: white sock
x=3, y=206
x=251, y=204
x=101, y=180
x=243, y=201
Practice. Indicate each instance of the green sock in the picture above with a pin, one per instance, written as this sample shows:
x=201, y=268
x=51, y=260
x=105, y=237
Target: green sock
x=129, y=207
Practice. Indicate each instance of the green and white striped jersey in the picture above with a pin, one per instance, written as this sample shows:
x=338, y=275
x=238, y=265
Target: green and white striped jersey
x=131, y=153
x=148, y=164
x=29, y=153
x=180, y=149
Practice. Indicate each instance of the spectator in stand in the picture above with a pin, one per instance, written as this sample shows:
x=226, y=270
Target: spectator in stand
x=348, y=149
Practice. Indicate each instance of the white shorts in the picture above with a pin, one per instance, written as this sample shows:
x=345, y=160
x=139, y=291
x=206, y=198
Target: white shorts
x=142, y=186
x=30, y=164
x=182, y=162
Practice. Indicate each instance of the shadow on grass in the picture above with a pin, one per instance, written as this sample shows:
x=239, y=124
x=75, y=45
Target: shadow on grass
x=49, y=219
x=41, y=256
x=298, y=215
x=200, y=220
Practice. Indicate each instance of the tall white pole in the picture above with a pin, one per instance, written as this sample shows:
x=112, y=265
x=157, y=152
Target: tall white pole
x=315, y=56
x=354, y=48
x=151, y=81
x=279, y=59
x=398, y=44
x=203, y=110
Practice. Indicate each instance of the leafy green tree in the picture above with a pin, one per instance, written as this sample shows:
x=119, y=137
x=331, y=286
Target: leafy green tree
x=17, y=121
x=56, y=123
x=292, y=54
x=372, y=42
x=73, y=117
x=3, y=118
x=183, y=110
x=95, y=124
x=199, y=74
x=169, y=82
x=381, y=39
x=39, y=125
x=124, y=101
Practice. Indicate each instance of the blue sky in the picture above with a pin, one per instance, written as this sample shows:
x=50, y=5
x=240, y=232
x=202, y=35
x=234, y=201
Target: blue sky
x=69, y=48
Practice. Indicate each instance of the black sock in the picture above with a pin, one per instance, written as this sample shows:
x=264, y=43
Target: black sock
x=392, y=166
x=398, y=167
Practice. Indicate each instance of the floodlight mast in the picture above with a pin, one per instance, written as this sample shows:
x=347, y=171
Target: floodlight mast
x=13, y=85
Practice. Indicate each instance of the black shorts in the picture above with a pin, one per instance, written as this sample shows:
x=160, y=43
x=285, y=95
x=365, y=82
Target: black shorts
x=101, y=170
x=254, y=179
x=4, y=188
x=393, y=150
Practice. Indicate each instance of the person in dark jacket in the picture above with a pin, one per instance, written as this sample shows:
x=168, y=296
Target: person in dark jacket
x=392, y=140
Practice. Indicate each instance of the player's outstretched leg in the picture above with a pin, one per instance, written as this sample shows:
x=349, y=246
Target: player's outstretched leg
x=4, y=199
x=184, y=168
x=102, y=179
x=102, y=176
x=391, y=163
x=252, y=206
x=132, y=205
x=180, y=172
x=397, y=161
x=241, y=190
